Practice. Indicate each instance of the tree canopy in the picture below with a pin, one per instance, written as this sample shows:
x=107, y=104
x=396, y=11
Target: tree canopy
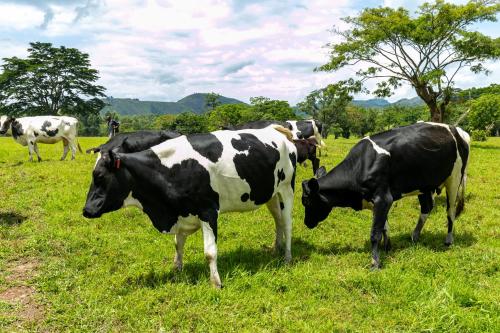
x=426, y=50
x=50, y=81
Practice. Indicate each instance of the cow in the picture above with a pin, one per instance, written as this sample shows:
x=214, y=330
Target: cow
x=418, y=159
x=306, y=150
x=28, y=131
x=183, y=184
x=134, y=141
x=305, y=129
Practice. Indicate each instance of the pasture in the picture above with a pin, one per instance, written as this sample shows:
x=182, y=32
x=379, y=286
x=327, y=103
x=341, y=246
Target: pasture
x=62, y=272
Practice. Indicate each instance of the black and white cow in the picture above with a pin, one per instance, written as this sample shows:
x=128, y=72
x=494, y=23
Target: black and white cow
x=306, y=150
x=305, y=129
x=183, y=184
x=418, y=159
x=134, y=141
x=28, y=131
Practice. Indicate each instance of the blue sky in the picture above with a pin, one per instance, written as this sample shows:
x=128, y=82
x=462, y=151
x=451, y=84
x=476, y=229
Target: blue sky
x=164, y=50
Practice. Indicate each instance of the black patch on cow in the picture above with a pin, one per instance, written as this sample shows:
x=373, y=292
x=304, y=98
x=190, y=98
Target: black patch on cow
x=293, y=159
x=46, y=124
x=282, y=205
x=305, y=128
x=462, y=146
x=245, y=197
x=167, y=193
x=257, y=166
x=207, y=145
x=281, y=176
x=36, y=133
x=17, y=129
x=274, y=144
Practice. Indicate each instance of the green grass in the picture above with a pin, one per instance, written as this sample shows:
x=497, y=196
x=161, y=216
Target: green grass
x=116, y=273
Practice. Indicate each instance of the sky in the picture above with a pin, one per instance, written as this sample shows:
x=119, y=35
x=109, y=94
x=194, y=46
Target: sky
x=164, y=50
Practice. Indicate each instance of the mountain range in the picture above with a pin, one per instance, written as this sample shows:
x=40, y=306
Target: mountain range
x=196, y=103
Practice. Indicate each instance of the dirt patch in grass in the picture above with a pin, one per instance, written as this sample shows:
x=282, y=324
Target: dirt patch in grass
x=20, y=295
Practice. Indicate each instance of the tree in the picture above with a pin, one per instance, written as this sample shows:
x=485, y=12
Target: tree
x=485, y=113
x=267, y=109
x=328, y=105
x=212, y=100
x=50, y=81
x=426, y=51
x=226, y=115
x=189, y=122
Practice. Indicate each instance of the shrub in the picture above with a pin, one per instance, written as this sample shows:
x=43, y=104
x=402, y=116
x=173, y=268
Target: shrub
x=479, y=135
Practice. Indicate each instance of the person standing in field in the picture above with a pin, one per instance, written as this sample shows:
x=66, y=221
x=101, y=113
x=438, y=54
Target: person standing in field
x=113, y=126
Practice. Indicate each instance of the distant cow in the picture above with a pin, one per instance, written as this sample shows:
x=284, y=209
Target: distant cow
x=418, y=159
x=306, y=150
x=134, y=141
x=183, y=184
x=304, y=129
x=28, y=131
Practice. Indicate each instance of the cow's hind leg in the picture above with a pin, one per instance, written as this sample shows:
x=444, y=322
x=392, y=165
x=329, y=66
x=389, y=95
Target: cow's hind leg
x=72, y=145
x=180, y=240
x=386, y=239
x=274, y=207
x=66, y=149
x=35, y=148
x=210, y=248
x=426, y=203
x=452, y=185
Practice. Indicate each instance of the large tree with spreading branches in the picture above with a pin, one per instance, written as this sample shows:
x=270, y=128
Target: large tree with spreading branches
x=425, y=50
x=50, y=81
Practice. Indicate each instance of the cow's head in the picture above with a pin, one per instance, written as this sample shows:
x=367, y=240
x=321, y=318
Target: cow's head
x=5, y=122
x=111, y=184
x=317, y=206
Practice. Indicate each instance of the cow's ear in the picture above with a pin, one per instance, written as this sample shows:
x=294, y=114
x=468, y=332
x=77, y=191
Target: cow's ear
x=320, y=172
x=116, y=159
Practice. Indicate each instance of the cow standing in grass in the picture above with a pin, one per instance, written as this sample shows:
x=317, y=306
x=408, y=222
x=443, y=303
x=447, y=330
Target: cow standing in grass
x=183, y=184
x=28, y=131
x=419, y=159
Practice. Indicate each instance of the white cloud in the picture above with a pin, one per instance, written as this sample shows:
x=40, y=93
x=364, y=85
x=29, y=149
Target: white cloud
x=19, y=17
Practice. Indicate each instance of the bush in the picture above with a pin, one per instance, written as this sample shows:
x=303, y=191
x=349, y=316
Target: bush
x=479, y=135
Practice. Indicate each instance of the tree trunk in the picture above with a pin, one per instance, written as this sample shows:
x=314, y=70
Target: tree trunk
x=436, y=115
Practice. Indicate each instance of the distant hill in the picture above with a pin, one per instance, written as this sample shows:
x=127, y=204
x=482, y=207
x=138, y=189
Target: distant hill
x=382, y=103
x=133, y=106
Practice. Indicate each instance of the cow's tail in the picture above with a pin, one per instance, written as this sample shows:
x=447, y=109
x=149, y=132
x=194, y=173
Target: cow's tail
x=285, y=131
x=79, y=148
x=461, y=189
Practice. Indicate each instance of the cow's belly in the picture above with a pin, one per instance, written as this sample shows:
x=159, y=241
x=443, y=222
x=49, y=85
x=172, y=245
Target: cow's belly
x=233, y=195
x=49, y=140
x=185, y=225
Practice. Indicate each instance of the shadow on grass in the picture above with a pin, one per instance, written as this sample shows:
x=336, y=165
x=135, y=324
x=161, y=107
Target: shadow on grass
x=482, y=146
x=11, y=218
x=240, y=261
x=432, y=240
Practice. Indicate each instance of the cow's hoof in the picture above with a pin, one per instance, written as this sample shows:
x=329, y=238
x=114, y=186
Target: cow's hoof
x=415, y=236
x=39, y=159
x=375, y=265
x=178, y=266
x=449, y=240
x=288, y=258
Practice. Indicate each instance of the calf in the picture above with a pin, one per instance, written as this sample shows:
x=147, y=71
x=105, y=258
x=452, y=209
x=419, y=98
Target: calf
x=134, y=141
x=418, y=159
x=306, y=150
x=183, y=184
x=27, y=131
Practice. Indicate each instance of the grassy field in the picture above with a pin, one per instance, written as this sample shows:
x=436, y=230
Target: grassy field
x=62, y=272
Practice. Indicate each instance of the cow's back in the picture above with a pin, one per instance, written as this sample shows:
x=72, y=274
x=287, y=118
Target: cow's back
x=246, y=167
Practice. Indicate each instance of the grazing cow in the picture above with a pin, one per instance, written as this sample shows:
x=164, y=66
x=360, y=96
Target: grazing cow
x=134, y=141
x=183, y=184
x=28, y=131
x=306, y=150
x=418, y=159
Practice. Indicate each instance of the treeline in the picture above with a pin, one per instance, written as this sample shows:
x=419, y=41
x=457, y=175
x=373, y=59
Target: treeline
x=476, y=110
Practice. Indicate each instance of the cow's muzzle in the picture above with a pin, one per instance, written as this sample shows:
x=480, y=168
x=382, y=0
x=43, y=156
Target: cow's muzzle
x=89, y=214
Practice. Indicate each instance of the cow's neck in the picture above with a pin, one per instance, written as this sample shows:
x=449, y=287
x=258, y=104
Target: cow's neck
x=340, y=188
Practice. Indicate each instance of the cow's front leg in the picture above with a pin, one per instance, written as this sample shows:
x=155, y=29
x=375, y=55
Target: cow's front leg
x=65, y=149
x=30, y=150
x=210, y=247
x=180, y=240
x=381, y=205
x=386, y=238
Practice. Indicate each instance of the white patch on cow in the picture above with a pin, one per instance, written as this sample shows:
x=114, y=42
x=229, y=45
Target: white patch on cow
x=185, y=225
x=377, y=148
x=465, y=136
x=295, y=129
x=97, y=159
x=131, y=201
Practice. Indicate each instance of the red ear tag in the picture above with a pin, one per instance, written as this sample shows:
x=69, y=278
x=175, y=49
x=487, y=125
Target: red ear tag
x=117, y=163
